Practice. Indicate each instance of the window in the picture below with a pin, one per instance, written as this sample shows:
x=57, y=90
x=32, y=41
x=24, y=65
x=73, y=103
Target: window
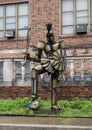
x=67, y=25
x=10, y=17
x=18, y=66
x=14, y=17
x=91, y=16
x=27, y=71
x=75, y=12
x=22, y=73
x=1, y=71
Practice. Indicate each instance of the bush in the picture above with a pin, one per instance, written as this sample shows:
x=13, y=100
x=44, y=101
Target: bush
x=19, y=106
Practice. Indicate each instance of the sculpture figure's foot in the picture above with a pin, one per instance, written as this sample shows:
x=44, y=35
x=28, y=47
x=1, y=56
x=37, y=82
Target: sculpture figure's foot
x=33, y=97
x=34, y=104
x=55, y=108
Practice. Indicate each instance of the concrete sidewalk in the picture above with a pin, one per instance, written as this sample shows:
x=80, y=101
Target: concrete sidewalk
x=46, y=120
x=42, y=127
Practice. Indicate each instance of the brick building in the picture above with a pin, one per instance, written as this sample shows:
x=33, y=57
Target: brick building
x=72, y=22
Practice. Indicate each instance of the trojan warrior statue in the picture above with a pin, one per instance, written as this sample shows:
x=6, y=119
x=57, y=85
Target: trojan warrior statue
x=53, y=64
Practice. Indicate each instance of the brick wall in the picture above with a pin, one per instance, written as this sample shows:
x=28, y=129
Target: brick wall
x=68, y=93
x=42, y=12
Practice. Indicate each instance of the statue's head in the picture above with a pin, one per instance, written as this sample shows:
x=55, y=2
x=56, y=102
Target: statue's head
x=50, y=35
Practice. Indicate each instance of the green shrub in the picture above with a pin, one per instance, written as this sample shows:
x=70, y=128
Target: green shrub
x=76, y=108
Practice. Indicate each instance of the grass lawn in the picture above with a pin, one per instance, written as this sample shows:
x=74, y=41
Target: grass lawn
x=19, y=106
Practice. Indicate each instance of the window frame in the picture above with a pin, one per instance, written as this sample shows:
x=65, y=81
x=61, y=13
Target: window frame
x=18, y=76
x=74, y=18
x=4, y=17
x=1, y=71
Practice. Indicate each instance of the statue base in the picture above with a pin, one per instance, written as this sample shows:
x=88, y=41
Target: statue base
x=47, y=111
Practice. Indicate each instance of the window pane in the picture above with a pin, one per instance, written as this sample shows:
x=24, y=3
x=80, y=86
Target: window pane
x=18, y=67
x=27, y=71
x=18, y=70
x=82, y=20
x=27, y=67
x=1, y=24
x=67, y=18
x=10, y=20
x=91, y=19
x=10, y=23
x=68, y=30
x=1, y=11
x=1, y=71
x=1, y=67
x=1, y=34
x=23, y=9
x=91, y=28
x=91, y=11
x=82, y=14
x=10, y=10
x=82, y=17
x=81, y=5
x=22, y=33
x=10, y=26
x=67, y=5
x=22, y=22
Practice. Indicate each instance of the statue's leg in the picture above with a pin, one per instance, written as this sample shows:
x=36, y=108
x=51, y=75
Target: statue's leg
x=54, y=80
x=34, y=103
x=34, y=79
x=34, y=82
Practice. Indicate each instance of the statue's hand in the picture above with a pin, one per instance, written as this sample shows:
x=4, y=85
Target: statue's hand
x=31, y=58
x=26, y=56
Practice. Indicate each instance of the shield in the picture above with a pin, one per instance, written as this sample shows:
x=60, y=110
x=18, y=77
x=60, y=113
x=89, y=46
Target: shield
x=59, y=57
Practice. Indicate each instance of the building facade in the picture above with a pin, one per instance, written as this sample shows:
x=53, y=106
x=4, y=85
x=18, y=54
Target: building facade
x=72, y=22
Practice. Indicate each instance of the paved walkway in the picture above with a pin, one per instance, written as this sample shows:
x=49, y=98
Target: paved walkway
x=46, y=120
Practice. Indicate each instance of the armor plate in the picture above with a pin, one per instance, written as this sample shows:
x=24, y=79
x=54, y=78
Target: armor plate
x=59, y=57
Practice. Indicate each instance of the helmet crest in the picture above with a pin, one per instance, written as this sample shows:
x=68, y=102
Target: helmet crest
x=50, y=35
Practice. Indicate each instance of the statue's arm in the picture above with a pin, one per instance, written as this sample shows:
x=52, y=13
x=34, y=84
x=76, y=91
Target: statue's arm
x=31, y=58
x=38, y=53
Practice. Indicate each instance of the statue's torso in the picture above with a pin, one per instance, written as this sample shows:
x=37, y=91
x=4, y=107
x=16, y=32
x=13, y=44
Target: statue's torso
x=54, y=56
x=50, y=49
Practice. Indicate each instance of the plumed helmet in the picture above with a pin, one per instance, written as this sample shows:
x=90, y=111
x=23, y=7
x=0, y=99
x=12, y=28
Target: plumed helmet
x=49, y=35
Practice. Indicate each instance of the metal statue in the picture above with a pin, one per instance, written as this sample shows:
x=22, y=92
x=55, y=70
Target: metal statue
x=54, y=63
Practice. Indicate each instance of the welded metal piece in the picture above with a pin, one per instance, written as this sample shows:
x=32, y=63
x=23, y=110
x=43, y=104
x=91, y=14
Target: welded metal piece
x=53, y=63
